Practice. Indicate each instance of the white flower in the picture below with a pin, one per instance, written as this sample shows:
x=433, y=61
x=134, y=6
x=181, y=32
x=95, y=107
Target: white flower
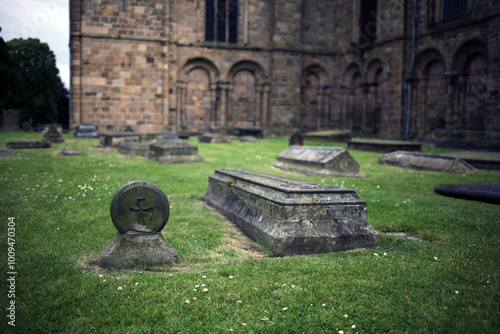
x=100, y=275
x=324, y=305
x=205, y=290
x=187, y=301
x=375, y=254
x=230, y=276
x=346, y=316
x=197, y=286
x=194, y=298
x=243, y=324
x=203, y=285
x=353, y=326
x=195, y=289
x=285, y=308
x=435, y=258
x=104, y=280
x=239, y=301
x=456, y=292
x=119, y=288
x=341, y=332
x=378, y=187
x=203, y=276
x=136, y=283
x=385, y=254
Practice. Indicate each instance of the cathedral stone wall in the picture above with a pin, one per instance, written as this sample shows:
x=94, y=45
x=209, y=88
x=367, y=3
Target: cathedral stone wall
x=363, y=66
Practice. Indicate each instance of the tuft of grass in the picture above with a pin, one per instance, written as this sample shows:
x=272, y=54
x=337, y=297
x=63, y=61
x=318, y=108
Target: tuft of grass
x=447, y=283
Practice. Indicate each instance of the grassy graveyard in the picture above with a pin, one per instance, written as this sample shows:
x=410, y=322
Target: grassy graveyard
x=449, y=282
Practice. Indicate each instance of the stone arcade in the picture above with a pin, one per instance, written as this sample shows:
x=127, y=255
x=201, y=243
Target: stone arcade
x=291, y=216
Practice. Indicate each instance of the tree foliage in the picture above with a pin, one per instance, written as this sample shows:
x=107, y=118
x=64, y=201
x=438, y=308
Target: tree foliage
x=30, y=80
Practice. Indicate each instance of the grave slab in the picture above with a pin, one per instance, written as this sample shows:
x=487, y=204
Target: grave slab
x=139, y=211
x=383, y=146
x=291, y=216
x=133, y=148
x=28, y=144
x=478, y=159
x=6, y=152
x=214, y=138
x=328, y=136
x=318, y=161
x=173, y=150
x=70, y=152
x=488, y=193
x=428, y=162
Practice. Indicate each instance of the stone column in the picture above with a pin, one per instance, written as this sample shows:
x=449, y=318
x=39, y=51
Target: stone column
x=224, y=102
x=258, y=105
x=180, y=90
x=266, y=89
x=214, y=117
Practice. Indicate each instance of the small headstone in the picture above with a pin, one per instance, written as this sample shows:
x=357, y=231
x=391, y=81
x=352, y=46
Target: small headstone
x=5, y=152
x=53, y=136
x=214, y=138
x=139, y=211
x=296, y=139
x=10, y=120
x=318, y=161
x=248, y=139
x=133, y=148
x=86, y=131
x=173, y=150
x=291, y=216
x=488, y=193
x=28, y=144
x=428, y=162
x=70, y=152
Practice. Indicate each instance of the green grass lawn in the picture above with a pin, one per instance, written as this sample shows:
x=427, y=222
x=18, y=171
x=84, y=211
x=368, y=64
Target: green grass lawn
x=224, y=282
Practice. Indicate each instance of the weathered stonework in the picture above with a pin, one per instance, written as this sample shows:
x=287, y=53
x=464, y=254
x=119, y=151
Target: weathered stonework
x=318, y=161
x=139, y=211
x=173, y=150
x=307, y=64
x=429, y=162
x=291, y=216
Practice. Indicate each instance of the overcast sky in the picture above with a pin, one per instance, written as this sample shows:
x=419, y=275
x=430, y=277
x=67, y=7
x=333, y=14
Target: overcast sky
x=47, y=20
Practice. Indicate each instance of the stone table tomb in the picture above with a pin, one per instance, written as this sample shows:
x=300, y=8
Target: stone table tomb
x=318, y=161
x=291, y=216
x=173, y=150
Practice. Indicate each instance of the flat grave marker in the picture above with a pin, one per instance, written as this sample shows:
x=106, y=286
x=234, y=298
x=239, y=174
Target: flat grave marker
x=318, y=161
x=428, y=162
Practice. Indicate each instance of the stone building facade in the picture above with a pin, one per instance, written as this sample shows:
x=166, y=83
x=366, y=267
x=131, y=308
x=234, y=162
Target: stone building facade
x=423, y=69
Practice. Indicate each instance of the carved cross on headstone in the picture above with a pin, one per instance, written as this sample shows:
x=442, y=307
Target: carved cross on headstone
x=140, y=209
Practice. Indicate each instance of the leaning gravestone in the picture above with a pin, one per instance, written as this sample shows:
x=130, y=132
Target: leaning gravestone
x=318, y=161
x=291, y=216
x=139, y=210
x=173, y=150
x=428, y=162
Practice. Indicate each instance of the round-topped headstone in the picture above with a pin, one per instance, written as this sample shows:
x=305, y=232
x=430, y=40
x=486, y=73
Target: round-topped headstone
x=139, y=207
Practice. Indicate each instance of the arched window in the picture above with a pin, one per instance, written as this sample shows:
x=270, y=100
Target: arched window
x=221, y=21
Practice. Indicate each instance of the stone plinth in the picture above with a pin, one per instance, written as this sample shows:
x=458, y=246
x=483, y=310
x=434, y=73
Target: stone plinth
x=318, y=161
x=328, y=136
x=173, y=150
x=115, y=138
x=28, y=144
x=383, y=146
x=291, y=216
x=133, y=148
x=429, y=162
x=214, y=138
x=139, y=211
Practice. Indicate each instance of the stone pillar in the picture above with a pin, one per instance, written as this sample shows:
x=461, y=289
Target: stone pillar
x=214, y=115
x=180, y=92
x=258, y=105
x=266, y=89
x=225, y=112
